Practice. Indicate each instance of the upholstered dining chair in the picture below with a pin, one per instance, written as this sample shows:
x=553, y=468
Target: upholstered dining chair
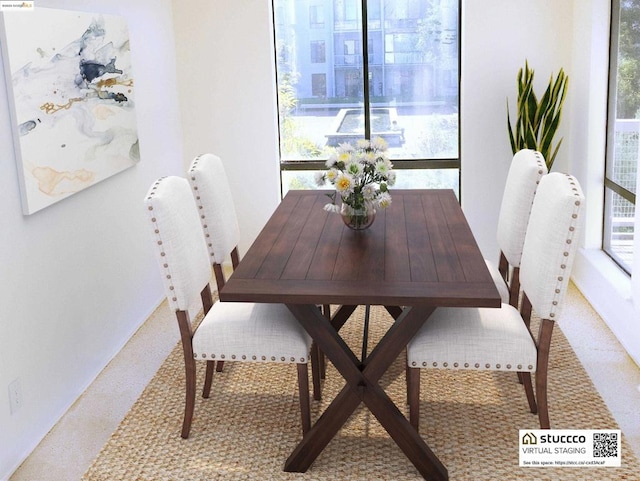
x=526, y=170
x=229, y=331
x=499, y=339
x=212, y=193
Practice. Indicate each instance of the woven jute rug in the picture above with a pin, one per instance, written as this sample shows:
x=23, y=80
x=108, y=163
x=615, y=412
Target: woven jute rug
x=251, y=423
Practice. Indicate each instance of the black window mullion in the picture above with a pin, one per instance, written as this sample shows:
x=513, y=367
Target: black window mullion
x=365, y=71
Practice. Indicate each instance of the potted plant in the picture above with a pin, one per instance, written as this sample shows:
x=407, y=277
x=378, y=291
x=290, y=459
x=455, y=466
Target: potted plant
x=537, y=121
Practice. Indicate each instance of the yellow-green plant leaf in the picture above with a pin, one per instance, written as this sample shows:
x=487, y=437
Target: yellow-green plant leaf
x=537, y=122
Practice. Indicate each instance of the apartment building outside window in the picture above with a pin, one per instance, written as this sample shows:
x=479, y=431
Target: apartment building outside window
x=404, y=86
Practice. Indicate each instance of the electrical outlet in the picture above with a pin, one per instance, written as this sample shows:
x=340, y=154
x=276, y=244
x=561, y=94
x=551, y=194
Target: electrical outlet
x=15, y=396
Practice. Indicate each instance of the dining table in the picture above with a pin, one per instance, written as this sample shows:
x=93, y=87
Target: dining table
x=419, y=254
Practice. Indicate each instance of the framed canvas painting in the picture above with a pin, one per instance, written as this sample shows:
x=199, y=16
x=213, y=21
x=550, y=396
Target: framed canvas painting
x=71, y=95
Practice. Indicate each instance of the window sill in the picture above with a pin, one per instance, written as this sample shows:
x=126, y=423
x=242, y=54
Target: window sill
x=609, y=270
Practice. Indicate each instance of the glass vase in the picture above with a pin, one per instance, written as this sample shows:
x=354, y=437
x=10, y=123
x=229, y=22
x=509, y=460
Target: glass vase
x=358, y=219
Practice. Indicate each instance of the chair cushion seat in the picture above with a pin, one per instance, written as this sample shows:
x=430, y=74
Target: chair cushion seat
x=474, y=338
x=251, y=332
x=503, y=289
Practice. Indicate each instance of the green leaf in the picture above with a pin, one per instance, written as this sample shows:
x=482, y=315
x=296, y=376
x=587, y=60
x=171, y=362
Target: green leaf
x=553, y=157
x=549, y=133
x=537, y=122
x=511, y=138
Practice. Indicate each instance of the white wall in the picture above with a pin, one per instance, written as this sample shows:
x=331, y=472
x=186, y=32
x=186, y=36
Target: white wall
x=497, y=37
x=77, y=278
x=607, y=288
x=227, y=85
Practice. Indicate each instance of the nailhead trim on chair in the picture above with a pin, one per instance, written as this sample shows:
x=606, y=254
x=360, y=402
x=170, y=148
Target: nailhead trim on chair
x=203, y=220
x=541, y=164
x=205, y=227
x=156, y=230
x=569, y=241
x=476, y=366
x=253, y=358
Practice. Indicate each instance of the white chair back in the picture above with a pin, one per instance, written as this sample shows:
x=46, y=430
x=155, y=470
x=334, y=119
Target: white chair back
x=527, y=168
x=212, y=193
x=551, y=243
x=179, y=246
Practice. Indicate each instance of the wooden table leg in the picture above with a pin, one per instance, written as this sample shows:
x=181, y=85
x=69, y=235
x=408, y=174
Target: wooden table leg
x=341, y=316
x=362, y=386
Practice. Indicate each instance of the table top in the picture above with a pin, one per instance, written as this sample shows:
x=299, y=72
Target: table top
x=419, y=251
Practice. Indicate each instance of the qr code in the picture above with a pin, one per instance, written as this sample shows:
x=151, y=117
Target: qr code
x=605, y=445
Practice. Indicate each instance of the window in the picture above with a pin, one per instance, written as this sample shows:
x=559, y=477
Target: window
x=403, y=88
x=403, y=13
x=346, y=14
x=319, y=85
x=316, y=16
x=402, y=48
x=349, y=49
x=317, y=52
x=623, y=133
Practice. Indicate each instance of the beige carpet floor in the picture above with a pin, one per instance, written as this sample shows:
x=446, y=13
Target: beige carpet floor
x=251, y=423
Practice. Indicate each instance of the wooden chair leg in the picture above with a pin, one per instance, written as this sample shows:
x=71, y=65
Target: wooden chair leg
x=186, y=335
x=190, y=396
x=413, y=395
x=528, y=389
x=303, y=392
x=514, y=287
x=525, y=312
x=544, y=344
x=503, y=267
x=208, y=378
x=541, y=393
x=219, y=366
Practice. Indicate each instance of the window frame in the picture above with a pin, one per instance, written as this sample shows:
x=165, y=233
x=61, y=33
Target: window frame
x=318, y=51
x=610, y=186
x=316, y=16
x=402, y=163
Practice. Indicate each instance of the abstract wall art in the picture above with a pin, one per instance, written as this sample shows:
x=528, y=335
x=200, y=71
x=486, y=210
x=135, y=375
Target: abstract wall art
x=71, y=95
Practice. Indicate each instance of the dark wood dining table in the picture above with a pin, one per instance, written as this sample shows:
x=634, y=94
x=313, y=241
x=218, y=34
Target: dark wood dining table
x=418, y=255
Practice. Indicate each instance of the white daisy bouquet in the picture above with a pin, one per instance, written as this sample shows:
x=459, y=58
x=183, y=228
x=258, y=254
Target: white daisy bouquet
x=361, y=175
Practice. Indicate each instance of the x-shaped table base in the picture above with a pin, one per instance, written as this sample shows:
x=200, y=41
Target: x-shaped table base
x=362, y=386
